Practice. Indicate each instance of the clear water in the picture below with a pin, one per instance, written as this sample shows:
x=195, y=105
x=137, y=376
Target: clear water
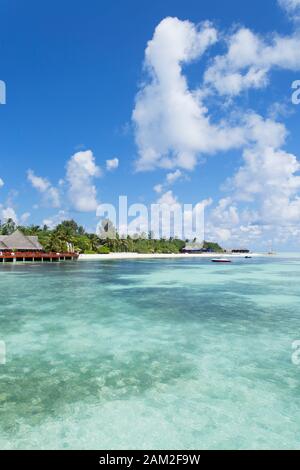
x=160, y=354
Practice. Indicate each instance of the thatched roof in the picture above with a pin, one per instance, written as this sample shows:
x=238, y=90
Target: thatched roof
x=2, y=245
x=19, y=241
x=35, y=241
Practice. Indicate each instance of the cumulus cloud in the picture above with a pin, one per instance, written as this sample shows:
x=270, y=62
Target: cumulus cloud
x=173, y=127
x=171, y=123
x=249, y=59
x=292, y=7
x=8, y=213
x=51, y=194
x=168, y=198
x=226, y=213
x=56, y=219
x=267, y=185
x=1, y=182
x=179, y=219
x=264, y=192
x=270, y=176
x=171, y=178
x=158, y=188
x=81, y=171
x=112, y=164
x=24, y=217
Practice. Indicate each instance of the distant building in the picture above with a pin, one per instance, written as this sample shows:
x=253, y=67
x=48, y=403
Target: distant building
x=194, y=247
x=240, y=251
x=17, y=241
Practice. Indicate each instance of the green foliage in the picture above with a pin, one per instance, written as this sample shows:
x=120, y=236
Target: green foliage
x=8, y=227
x=213, y=247
x=103, y=250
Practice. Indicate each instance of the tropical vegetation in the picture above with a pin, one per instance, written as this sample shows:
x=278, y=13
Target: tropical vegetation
x=69, y=236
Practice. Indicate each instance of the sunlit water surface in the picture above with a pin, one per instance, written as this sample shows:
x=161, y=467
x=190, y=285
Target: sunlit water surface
x=159, y=354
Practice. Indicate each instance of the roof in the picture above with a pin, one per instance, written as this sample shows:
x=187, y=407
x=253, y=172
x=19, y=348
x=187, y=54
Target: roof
x=195, y=246
x=2, y=245
x=35, y=241
x=19, y=241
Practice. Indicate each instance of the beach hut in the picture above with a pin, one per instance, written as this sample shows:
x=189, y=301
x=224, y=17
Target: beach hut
x=194, y=247
x=17, y=241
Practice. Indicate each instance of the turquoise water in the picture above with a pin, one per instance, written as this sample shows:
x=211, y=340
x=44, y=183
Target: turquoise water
x=160, y=354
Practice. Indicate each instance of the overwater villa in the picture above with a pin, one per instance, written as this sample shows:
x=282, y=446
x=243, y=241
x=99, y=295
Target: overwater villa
x=22, y=248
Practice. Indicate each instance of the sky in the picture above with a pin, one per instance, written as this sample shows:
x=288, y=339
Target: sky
x=176, y=102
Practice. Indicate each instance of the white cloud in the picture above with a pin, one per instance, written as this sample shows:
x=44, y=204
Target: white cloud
x=1, y=182
x=56, y=219
x=8, y=213
x=42, y=185
x=24, y=217
x=182, y=222
x=158, y=188
x=222, y=234
x=269, y=174
x=266, y=185
x=249, y=59
x=264, y=191
x=292, y=7
x=172, y=125
x=264, y=132
x=270, y=177
x=174, y=128
x=171, y=178
x=112, y=164
x=226, y=213
x=81, y=170
x=168, y=198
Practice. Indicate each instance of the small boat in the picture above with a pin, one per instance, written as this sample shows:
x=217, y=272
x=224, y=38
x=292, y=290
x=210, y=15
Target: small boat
x=221, y=260
x=248, y=257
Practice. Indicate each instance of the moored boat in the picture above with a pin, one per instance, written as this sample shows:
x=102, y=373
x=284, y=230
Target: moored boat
x=221, y=260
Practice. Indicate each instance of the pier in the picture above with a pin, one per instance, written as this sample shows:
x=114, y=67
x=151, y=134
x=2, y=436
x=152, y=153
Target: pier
x=39, y=257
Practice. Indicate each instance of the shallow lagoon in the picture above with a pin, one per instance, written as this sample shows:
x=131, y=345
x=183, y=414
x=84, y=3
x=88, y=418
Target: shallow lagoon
x=150, y=354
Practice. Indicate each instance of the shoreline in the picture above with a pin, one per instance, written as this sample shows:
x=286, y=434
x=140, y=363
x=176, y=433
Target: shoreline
x=120, y=256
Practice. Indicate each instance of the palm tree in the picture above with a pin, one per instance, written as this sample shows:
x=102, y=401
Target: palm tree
x=8, y=227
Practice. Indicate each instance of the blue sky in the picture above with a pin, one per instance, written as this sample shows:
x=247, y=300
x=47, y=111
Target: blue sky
x=79, y=94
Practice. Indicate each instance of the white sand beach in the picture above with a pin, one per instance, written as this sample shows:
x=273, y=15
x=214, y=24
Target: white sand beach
x=119, y=256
